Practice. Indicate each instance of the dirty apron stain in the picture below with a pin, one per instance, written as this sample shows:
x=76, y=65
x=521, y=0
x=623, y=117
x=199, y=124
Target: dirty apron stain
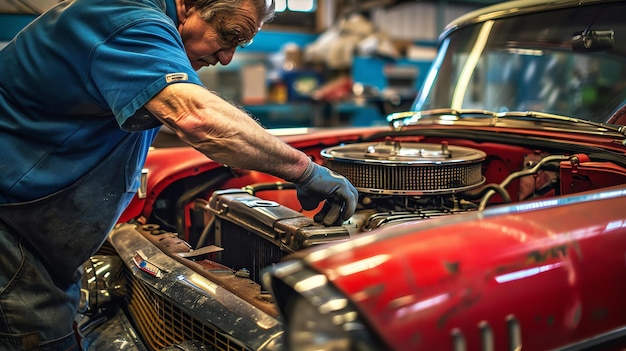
x=67, y=227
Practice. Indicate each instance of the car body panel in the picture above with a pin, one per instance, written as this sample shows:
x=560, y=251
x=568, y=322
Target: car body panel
x=554, y=266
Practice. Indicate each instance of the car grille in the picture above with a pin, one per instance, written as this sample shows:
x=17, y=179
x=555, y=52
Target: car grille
x=161, y=323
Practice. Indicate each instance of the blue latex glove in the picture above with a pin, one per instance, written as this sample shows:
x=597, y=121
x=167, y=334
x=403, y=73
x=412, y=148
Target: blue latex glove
x=319, y=183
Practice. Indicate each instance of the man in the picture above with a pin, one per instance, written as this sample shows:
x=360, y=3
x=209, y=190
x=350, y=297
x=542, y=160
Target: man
x=83, y=91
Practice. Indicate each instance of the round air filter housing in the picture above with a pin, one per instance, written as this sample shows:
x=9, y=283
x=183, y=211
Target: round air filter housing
x=396, y=168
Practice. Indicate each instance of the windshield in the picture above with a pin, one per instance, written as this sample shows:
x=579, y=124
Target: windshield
x=527, y=63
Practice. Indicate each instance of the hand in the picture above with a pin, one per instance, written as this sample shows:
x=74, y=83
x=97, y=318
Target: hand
x=319, y=183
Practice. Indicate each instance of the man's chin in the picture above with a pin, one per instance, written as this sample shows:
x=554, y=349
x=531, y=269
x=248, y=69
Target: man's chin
x=201, y=63
x=197, y=65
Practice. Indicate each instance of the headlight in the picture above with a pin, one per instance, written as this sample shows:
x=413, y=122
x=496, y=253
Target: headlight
x=317, y=316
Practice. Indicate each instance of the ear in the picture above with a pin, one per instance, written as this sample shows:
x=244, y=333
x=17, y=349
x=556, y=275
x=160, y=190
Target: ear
x=182, y=11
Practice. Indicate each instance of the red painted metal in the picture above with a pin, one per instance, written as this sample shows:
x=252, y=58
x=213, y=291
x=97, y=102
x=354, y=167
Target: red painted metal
x=558, y=271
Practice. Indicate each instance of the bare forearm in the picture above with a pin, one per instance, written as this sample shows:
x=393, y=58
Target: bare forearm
x=223, y=132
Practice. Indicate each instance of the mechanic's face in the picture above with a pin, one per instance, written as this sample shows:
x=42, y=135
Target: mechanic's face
x=215, y=41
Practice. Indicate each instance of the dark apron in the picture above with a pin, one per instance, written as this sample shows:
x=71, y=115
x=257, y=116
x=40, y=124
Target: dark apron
x=67, y=227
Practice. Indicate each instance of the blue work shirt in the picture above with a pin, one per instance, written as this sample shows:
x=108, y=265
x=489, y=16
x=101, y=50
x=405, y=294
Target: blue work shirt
x=73, y=84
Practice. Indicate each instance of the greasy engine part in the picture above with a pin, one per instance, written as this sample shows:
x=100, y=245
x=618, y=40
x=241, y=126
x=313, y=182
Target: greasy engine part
x=256, y=233
x=404, y=168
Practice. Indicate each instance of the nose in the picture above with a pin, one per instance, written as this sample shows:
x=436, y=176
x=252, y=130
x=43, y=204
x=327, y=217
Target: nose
x=224, y=56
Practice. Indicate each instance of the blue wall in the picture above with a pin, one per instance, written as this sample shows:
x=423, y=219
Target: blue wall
x=268, y=41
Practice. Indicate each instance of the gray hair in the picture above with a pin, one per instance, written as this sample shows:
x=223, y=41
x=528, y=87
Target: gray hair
x=208, y=8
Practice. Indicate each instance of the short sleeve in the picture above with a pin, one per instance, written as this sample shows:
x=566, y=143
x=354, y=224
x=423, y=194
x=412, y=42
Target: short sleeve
x=131, y=67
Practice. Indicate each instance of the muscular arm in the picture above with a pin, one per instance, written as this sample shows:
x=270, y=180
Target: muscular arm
x=223, y=132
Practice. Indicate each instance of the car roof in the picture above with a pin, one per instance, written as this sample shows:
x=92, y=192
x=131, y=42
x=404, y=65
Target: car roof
x=512, y=8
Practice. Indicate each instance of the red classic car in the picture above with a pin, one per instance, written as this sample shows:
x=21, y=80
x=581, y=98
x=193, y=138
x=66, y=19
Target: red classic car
x=491, y=216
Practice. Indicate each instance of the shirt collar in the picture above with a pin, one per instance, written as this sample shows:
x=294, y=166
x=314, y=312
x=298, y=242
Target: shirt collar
x=170, y=11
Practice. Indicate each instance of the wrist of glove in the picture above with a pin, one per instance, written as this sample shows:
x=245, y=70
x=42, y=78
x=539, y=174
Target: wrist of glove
x=318, y=184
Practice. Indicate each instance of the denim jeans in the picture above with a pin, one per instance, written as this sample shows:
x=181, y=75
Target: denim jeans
x=36, y=312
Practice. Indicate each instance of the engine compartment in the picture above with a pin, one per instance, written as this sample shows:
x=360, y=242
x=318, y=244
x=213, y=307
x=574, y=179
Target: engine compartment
x=256, y=219
x=197, y=255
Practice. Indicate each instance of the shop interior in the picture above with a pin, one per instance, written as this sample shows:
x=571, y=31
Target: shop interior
x=319, y=63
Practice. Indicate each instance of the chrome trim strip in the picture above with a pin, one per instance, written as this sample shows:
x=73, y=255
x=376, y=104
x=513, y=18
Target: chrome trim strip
x=206, y=301
x=596, y=340
x=458, y=340
x=515, y=333
x=486, y=336
x=509, y=9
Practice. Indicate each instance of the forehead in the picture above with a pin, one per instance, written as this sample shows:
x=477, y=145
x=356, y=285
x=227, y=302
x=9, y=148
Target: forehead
x=244, y=16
